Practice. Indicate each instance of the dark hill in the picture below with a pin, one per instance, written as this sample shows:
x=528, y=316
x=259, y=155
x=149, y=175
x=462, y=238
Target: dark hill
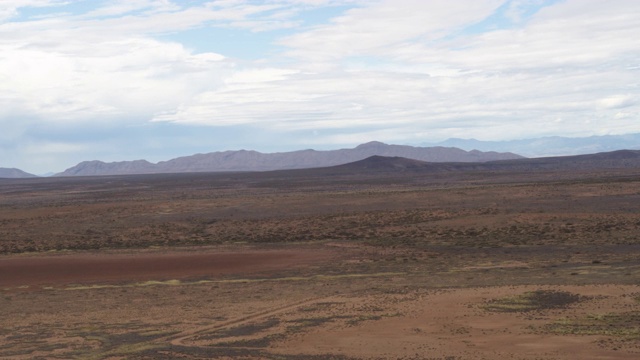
x=384, y=163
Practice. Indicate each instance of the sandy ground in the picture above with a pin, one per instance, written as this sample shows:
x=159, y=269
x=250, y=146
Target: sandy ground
x=452, y=324
x=311, y=303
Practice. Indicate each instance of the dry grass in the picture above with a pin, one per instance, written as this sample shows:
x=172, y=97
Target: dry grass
x=533, y=301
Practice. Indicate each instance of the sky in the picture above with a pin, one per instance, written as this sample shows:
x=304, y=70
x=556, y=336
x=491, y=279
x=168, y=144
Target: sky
x=157, y=79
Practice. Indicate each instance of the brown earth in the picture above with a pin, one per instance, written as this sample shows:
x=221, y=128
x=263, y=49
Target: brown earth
x=475, y=265
x=144, y=266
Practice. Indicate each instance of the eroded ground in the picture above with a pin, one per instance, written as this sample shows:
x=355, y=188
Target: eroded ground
x=481, y=266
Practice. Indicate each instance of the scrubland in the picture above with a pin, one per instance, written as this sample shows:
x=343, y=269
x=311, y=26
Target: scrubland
x=288, y=265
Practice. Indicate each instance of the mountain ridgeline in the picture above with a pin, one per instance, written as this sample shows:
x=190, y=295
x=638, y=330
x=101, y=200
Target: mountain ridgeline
x=244, y=160
x=12, y=173
x=371, y=158
x=550, y=146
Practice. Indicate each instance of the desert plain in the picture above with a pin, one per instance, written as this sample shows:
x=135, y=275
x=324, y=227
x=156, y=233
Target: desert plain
x=319, y=265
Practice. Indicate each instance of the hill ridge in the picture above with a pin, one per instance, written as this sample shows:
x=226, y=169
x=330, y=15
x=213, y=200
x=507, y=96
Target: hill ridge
x=13, y=173
x=250, y=160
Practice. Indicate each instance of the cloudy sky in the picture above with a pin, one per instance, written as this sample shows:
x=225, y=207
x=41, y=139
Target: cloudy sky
x=156, y=79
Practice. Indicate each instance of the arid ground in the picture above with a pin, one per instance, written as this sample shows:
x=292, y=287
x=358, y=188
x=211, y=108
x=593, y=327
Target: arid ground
x=294, y=265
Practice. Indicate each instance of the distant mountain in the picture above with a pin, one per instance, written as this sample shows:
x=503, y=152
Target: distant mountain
x=550, y=146
x=244, y=160
x=96, y=168
x=621, y=159
x=14, y=173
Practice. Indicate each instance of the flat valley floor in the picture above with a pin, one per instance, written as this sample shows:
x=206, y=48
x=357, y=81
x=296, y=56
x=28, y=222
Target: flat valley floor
x=292, y=265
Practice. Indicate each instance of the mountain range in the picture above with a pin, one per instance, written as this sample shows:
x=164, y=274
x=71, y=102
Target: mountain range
x=549, y=146
x=244, y=160
x=451, y=150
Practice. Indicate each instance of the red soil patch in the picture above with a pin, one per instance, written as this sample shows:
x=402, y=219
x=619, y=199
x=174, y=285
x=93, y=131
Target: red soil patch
x=93, y=268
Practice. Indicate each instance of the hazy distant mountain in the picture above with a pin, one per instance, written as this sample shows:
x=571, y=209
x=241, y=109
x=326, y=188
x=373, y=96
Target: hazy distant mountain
x=14, y=173
x=244, y=160
x=95, y=167
x=550, y=146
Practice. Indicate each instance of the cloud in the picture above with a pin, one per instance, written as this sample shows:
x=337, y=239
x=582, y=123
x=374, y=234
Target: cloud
x=376, y=29
x=11, y=8
x=572, y=33
x=121, y=7
x=617, y=102
x=105, y=64
x=418, y=67
x=378, y=70
x=77, y=80
x=516, y=9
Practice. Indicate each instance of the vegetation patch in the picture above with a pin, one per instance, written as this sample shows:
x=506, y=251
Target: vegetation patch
x=358, y=319
x=191, y=352
x=262, y=342
x=231, y=281
x=533, y=301
x=121, y=340
x=243, y=330
x=320, y=306
x=301, y=324
x=622, y=325
x=308, y=322
x=27, y=348
x=127, y=349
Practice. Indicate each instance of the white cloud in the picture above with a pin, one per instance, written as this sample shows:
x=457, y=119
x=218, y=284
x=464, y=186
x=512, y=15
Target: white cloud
x=121, y=7
x=571, y=33
x=382, y=70
x=100, y=65
x=7, y=13
x=376, y=29
x=617, y=102
x=516, y=9
x=103, y=80
x=10, y=8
